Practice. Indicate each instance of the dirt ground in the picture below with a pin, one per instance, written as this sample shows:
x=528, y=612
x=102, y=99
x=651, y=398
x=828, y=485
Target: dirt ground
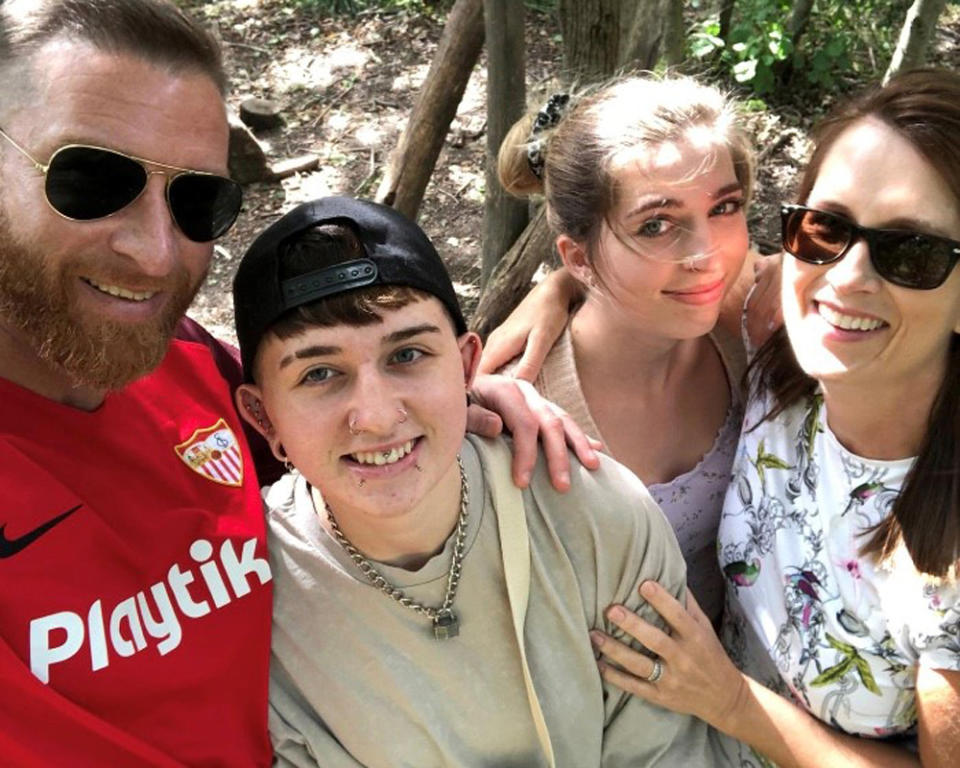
x=346, y=86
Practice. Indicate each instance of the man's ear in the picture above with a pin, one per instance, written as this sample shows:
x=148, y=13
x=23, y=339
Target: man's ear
x=470, y=349
x=575, y=259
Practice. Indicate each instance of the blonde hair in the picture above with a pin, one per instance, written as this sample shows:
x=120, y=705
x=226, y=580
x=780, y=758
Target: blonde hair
x=601, y=123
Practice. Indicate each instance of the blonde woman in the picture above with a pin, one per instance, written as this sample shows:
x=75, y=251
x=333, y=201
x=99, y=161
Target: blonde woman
x=646, y=182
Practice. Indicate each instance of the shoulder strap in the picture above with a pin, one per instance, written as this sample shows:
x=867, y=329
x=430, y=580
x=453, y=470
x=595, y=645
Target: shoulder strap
x=515, y=545
x=734, y=359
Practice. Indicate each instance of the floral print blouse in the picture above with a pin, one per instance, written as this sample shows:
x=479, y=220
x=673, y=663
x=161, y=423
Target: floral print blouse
x=806, y=613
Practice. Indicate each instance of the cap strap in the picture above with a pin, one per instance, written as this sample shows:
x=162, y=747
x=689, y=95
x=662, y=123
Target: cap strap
x=324, y=282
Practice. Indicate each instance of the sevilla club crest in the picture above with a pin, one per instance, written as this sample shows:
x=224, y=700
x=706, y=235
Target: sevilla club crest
x=214, y=453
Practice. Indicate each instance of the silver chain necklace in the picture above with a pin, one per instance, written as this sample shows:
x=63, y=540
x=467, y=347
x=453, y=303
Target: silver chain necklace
x=445, y=621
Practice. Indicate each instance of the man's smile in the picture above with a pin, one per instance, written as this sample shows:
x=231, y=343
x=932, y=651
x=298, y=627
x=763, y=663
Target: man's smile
x=119, y=292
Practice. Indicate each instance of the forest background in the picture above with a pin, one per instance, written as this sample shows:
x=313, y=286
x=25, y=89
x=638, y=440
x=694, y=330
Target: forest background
x=344, y=77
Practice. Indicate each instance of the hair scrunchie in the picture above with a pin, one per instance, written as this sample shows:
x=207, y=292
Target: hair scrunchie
x=548, y=116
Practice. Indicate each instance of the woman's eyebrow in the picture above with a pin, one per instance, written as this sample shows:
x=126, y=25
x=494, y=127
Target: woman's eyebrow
x=672, y=202
x=727, y=189
x=655, y=202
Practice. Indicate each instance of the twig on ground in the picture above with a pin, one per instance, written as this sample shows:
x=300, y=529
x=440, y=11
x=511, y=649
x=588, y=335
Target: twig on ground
x=336, y=100
x=785, y=137
x=249, y=47
x=448, y=194
x=368, y=179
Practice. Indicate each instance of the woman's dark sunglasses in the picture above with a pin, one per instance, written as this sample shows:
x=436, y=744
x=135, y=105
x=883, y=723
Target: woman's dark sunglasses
x=84, y=183
x=902, y=256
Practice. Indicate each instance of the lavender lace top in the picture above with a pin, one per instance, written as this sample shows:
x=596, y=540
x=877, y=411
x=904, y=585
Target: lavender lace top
x=692, y=501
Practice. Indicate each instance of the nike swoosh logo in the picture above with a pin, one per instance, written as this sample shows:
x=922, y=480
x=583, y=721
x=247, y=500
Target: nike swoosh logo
x=10, y=547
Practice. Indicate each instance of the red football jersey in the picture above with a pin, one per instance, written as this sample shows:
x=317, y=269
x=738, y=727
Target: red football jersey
x=135, y=588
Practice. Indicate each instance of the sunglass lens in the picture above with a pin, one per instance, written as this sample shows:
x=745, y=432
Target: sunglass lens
x=913, y=261
x=814, y=236
x=204, y=206
x=89, y=183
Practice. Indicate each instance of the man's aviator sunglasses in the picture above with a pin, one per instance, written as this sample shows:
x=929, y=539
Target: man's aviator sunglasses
x=84, y=183
x=902, y=256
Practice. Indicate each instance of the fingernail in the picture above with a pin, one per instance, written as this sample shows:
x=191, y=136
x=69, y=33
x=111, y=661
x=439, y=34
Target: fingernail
x=601, y=666
x=648, y=588
x=616, y=613
x=596, y=639
x=565, y=478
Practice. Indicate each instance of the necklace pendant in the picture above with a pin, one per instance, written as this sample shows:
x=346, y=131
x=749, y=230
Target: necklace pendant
x=446, y=625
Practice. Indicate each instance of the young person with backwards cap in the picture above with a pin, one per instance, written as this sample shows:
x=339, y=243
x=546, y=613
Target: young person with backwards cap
x=135, y=610
x=397, y=611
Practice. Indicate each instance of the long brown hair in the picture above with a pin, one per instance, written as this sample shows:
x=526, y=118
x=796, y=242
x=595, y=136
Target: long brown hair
x=923, y=107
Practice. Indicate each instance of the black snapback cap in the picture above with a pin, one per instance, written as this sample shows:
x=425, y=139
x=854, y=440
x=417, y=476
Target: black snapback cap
x=397, y=253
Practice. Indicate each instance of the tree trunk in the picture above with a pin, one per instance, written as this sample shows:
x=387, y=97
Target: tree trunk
x=799, y=17
x=796, y=26
x=592, y=31
x=915, y=36
x=651, y=29
x=412, y=162
x=504, y=217
x=674, y=34
x=726, y=19
x=511, y=278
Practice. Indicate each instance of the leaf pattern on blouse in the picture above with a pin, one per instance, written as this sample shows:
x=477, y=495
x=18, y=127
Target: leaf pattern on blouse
x=807, y=614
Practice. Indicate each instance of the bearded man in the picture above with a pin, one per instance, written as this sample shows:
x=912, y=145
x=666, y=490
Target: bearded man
x=135, y=609
x=134, y=619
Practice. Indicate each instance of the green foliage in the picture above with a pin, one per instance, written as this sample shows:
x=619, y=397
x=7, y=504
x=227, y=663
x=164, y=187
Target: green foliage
x=842, y=41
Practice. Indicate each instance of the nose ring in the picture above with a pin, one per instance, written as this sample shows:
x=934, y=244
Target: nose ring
x=355, y=428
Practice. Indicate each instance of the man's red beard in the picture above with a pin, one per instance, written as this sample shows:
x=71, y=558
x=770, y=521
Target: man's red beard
x=92, y=351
